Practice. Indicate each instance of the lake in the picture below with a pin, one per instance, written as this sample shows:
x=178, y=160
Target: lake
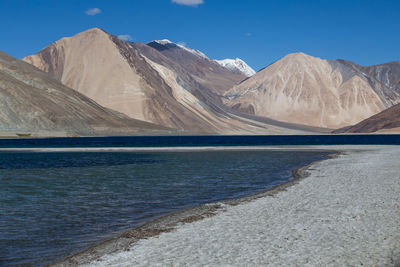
x=53, y=204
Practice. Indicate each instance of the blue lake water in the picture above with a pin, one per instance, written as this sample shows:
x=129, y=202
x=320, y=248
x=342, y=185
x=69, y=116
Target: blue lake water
x=219, y=140
x=54, y=204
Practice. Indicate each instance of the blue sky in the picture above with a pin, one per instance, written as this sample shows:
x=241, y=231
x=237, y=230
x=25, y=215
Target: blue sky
x=258, y=31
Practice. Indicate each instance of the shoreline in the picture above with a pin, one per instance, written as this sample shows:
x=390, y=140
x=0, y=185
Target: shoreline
x=13, y=135
x=171, y=221
x=346, y=213
x=191, y=148
x=171, y=224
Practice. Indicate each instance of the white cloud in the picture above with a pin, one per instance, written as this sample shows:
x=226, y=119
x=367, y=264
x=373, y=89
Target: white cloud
x=125, y=37
x=188, y=2
x=93, y=11
x=249, y=34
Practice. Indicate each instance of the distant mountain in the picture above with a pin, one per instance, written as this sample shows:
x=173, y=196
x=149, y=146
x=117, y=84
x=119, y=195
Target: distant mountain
x=387, y=121
x=166, y=44
x=34, y=103
x=116, y=75
x=385, y=78
x=303, y=89
x=160, y=82
x=205, y=71
x=237, y=65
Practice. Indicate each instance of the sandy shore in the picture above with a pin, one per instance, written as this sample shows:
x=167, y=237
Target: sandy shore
x=346, y=213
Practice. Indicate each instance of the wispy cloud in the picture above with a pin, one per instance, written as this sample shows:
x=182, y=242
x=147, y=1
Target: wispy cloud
x=93, y=11
x=249, y=34
x=125, y=37
x=188, y=2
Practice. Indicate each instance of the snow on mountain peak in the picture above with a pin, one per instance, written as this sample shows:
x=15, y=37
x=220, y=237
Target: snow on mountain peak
x=237, y=64
x=231, y=64
x=193, y=51
x=183, y=46
x=163, y=41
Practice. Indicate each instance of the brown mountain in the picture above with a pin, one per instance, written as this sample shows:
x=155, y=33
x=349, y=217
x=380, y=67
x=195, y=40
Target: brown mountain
x=162, y=83
x=32, y=102
x=387, y=121
x=312, y=91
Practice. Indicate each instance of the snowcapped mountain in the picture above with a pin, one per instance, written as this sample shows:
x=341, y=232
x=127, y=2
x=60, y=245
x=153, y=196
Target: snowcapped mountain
x=204, y=70
x=193, y=51
x=167, y=42
x=237, y=64
x=163, y=41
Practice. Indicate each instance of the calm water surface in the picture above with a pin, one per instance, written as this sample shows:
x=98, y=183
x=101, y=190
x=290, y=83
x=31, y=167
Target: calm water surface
x=54, y=204
x=219, y=140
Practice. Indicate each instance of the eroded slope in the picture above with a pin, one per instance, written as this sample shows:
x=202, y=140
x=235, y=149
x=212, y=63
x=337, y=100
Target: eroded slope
x=33, y=102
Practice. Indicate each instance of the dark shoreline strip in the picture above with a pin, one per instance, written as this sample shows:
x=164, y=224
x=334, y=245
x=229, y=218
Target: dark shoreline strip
x=172, y=221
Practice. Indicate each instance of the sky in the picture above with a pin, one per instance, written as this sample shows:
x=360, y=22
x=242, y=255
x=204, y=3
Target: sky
x=257, y=31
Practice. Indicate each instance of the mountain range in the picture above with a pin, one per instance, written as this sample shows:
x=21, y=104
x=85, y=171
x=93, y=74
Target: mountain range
x=325, y=93
x=159, y=82
x=166, y=88
x=34, y=103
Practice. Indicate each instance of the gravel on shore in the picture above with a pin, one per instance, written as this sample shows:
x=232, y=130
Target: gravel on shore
x=346, y=213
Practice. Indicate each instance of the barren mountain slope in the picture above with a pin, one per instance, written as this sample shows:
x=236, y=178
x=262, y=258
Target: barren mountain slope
x=307, y=90
x=388, y=74
x=182, y=80
x=386, y=121
x=144, y=83
x=115, y=75
x=384, y=78
x=204, y=70
x=33, y=102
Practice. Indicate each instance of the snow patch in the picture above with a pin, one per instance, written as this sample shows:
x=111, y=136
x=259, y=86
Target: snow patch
x=183, y=46
x=193, y=51
x=163, y=41
x=237, y=64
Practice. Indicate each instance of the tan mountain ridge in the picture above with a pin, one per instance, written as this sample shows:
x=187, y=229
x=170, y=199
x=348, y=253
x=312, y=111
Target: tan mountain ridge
x=163, y=84
x=34, y=103
x=307, y=90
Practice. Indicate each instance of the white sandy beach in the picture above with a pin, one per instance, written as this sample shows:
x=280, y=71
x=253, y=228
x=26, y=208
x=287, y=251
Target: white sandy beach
x=346, y=213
